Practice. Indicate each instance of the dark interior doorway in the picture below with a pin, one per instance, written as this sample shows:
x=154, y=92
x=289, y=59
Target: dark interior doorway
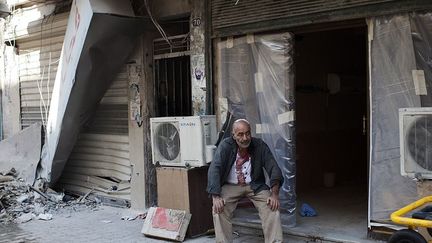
x=331, y=123
x=331, y=108
x=173, y=86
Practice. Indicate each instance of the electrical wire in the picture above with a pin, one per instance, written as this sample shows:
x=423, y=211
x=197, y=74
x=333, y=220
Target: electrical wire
x=160, y=29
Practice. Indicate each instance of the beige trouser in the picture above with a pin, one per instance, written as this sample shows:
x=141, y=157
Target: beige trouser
x=270, y=220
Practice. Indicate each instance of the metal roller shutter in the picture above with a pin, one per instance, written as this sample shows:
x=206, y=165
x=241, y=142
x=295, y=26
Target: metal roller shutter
x=244, y=16
x=100, y=158
x=39, y=53
x=112, y=113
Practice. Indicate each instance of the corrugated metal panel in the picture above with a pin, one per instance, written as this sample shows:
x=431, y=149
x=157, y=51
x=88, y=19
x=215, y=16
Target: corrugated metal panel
x=231, y=17
x=38, y=56
x=111, y=116
x=100, y=158
x=227, y=13
x=100, y=162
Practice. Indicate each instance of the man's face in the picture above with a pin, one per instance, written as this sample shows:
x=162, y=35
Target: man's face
x=242, y=134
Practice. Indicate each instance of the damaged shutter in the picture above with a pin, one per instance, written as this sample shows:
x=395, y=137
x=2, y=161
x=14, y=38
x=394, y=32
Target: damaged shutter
x=100, y=158
x=239, y=17
x=38, y=55
x=111, y=116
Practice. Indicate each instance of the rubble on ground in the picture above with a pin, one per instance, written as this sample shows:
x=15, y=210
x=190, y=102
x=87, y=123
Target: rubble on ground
x=20, y=203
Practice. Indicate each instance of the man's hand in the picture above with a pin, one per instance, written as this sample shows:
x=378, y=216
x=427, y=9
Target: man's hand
x=218, y=204
x=273, y=200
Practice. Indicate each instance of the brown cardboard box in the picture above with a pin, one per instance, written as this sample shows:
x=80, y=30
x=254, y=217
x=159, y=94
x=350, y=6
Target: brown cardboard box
x=184, y=189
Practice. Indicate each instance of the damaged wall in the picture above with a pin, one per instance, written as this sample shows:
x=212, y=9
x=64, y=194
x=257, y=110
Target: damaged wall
x=198, y=58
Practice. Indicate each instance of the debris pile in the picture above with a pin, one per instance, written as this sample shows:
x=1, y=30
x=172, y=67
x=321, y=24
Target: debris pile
x=20, y=203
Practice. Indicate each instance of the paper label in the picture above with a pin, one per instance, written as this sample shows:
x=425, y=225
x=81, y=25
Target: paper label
x=250, y=38
x=286, y=117
x=419, y=82
x=229, y=42
x=259, y=85
x=262, y=128
x=223, y=109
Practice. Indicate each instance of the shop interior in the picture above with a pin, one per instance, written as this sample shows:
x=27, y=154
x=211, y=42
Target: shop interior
x=331, y=133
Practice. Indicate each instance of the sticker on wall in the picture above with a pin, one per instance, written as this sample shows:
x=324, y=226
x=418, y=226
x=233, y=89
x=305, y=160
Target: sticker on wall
x=198, y=71
x=259, y=84
x=223, y=106
x=229, y=42
x=250, y=38
x=262, y=128
x=286, y=117
x=419, y=82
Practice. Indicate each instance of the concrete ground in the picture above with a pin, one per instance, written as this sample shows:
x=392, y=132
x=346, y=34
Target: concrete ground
x=101, y=225
x=337, y=221
x=342, y=216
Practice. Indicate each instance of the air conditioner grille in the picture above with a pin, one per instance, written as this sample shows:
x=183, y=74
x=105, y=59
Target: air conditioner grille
x=168, y=141
x=419, y=141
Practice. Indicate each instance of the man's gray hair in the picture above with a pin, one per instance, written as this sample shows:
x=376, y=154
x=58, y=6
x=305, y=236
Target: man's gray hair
x=241, y=120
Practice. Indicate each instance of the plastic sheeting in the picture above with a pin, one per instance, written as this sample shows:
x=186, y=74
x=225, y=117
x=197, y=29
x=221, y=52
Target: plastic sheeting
x=399, y=44
x=256, y=81
x=421, y=32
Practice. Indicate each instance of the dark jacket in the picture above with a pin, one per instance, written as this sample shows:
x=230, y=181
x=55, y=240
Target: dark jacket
x=261, y=157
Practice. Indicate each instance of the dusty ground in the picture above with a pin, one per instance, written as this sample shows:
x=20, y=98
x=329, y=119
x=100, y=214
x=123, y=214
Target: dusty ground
x=101, y=224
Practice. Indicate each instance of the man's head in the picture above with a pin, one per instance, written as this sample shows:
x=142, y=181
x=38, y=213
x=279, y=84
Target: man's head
x=242, y=133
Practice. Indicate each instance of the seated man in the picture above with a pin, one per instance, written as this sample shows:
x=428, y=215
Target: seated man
x=236, y=172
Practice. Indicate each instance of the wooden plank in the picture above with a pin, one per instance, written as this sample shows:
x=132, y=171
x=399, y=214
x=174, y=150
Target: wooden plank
x=173, y=188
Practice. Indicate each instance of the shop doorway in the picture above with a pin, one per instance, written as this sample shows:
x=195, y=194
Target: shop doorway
x=331, y=130
x=172, y=75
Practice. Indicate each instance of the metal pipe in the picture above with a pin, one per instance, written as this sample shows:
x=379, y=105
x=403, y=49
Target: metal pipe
x=398, y=218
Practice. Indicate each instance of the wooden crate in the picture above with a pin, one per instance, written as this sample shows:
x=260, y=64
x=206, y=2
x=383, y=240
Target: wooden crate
x=184, y=189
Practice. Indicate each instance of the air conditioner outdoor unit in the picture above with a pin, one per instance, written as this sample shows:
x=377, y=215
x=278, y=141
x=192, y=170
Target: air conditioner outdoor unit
x=183, y=141
x=415, y=131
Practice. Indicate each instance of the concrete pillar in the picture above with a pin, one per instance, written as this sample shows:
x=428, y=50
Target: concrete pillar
x=10, y=92
x=197, y=57
x=141, y=108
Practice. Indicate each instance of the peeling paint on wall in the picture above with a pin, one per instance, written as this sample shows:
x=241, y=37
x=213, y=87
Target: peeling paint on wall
x=197, y=58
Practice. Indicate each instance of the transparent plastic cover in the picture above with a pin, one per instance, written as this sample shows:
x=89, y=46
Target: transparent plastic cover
x=400, y=52
x=256, y=81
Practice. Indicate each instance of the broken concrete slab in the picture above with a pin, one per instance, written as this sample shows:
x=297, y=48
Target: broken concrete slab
x=22, y=152
x=45, y=216
x=25, y=218
x=5, y=178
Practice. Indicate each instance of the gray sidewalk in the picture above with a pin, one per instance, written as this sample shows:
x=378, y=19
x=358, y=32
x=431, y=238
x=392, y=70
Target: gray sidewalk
x=101, y=225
